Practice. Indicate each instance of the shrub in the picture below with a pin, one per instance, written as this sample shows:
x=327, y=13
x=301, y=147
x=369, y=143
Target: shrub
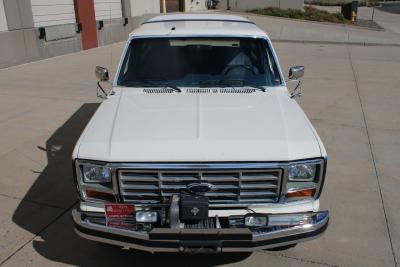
x=309, y=13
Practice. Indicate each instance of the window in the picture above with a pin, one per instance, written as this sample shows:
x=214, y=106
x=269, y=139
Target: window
x=199, y=62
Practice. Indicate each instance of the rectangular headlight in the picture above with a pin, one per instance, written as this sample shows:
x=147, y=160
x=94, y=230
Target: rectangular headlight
x=95, y=173
x=94, y=181
x=304, y=179
x=302, y=172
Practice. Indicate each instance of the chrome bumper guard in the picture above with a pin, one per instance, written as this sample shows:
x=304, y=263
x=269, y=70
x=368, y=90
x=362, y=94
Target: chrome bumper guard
x=93, y=227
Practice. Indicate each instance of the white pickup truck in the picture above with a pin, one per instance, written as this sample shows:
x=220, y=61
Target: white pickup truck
x=199, y=146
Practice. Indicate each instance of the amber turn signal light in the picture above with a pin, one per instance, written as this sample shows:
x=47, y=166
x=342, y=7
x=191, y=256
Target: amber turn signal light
x=303, y=193
x=99, y=195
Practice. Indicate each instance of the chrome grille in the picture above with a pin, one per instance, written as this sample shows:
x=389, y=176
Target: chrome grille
x=230, y=186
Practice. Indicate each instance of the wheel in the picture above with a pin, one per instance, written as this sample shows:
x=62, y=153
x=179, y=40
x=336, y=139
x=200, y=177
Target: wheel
x=282, y=248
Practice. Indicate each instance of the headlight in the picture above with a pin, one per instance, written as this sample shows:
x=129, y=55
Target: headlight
x=94, y=181
x=96, y=174
x=302, y=172
x=304, y=179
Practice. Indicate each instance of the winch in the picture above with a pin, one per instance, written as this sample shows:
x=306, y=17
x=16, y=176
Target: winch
x=190, y=211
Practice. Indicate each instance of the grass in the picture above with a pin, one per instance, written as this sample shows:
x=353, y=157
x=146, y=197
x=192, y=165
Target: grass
x=309, y=13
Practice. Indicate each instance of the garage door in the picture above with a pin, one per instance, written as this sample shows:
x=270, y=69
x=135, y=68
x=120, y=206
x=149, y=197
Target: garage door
x=107, y=9
x=52, y=12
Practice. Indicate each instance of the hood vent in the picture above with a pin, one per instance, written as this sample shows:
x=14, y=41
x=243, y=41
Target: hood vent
x=237, y=90
x=202, y=90
x=158, y=91
x=199, y=91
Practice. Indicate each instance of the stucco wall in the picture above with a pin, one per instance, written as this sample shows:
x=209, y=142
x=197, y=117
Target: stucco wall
x=22, y=46
x=140, y=7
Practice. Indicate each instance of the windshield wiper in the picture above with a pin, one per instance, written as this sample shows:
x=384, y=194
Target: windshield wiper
x=229, y=83
x=154, y=83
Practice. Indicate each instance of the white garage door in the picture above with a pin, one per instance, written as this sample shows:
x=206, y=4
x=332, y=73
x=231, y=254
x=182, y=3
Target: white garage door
x=52, y=12
x=108, y=9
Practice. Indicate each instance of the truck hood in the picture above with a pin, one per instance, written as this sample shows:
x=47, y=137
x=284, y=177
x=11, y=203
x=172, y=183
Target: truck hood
x=132, y=126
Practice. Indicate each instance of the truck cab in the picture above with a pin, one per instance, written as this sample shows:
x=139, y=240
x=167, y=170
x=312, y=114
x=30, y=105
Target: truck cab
x=199, y=147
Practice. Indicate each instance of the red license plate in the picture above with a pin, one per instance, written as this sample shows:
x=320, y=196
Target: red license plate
x=120, y=215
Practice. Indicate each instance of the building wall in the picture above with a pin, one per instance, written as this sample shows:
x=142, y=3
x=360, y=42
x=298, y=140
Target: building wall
x=3, y=20
x=195, y=5
x=140, y=7
x=18, y=14
x=19, y=32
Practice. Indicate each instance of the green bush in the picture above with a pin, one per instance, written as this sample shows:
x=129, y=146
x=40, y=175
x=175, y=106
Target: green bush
x=341, y=2
x=309, y=13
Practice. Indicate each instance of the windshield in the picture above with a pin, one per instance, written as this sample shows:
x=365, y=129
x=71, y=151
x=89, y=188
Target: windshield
x=199, y=62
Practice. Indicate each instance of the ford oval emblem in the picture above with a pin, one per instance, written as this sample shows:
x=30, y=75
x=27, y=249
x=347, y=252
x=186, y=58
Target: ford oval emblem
x=200, y=188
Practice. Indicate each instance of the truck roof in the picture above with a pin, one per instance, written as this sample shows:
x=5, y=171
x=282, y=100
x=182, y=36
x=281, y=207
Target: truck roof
x=198, y=25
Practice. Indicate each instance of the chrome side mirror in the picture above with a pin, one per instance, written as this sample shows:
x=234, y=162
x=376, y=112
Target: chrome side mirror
x=101, y=93
x=296, y=72
x=102, y=74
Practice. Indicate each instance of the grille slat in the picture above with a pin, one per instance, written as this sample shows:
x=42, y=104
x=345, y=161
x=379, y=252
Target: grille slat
x=258, y=186
x=142, y=193
x=141, y=186
x=230, y=186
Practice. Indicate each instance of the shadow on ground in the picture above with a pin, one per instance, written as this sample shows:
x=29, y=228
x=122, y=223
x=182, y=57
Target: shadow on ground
x=390, y=7
x=54, y=190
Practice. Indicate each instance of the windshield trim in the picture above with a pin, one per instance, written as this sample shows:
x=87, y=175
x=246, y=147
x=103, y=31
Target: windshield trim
x=133, y=37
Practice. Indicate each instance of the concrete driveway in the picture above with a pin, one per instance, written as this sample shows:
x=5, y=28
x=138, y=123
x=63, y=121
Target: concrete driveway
x=352, y=97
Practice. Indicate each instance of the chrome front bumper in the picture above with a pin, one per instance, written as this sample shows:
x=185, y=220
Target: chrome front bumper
x=92, y=226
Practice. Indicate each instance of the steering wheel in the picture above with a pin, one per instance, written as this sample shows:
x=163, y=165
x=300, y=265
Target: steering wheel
x=232, y=67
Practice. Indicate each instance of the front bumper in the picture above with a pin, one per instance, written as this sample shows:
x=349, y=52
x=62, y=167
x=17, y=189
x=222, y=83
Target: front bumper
x=92, y=226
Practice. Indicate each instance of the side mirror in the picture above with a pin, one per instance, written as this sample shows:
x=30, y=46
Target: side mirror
x=102, y=74
x=296, y=73
x=101, y=93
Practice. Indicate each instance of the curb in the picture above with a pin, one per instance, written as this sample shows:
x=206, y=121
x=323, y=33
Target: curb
x=343, y=25
x=334, y=43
